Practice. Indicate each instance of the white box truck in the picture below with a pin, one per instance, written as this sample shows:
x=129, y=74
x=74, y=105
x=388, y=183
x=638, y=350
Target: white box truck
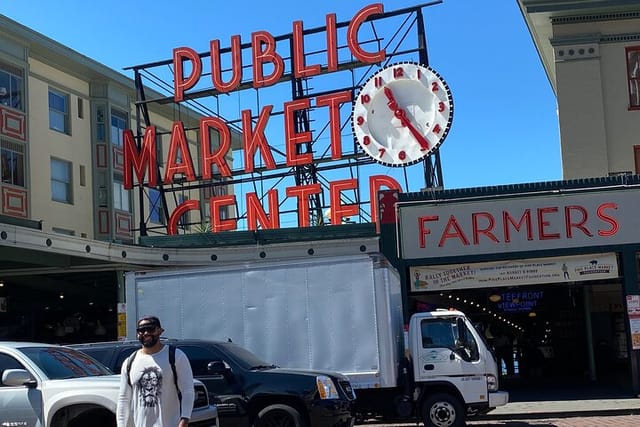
x=340, y=314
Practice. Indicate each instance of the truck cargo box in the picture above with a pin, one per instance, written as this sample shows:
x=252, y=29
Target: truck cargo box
x=341, y=314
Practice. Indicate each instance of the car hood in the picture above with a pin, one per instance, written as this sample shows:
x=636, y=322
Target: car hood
x=307, y=372
x=101, y=382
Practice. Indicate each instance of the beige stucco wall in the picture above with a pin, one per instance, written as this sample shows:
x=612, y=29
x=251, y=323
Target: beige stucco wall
x=598, y=131
x=44, y=143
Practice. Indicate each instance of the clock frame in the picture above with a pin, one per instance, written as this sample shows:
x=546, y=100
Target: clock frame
x=402, y=114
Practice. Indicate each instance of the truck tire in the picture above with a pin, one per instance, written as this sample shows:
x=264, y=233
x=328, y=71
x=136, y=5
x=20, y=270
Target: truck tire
x=278, y=416
x=443, y=410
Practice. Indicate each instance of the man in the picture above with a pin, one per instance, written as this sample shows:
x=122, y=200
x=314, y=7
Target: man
x=148, y=395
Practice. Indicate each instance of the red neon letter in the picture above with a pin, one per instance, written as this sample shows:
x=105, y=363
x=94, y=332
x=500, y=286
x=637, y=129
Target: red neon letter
x=452, y=230
x=303, y=192
x=292, y=138
x=580, y=224
x=352, y=34
x=423, y=230
x=187, y=205
x=338, y=210
x=615, y=227
x=477, y=231
x=180, y=84
x=333, y=101
x=179, y=142
x=236, y=65
x=138, y=161
x=207, y=157
x=299, y=67
x=332, y=43
x=508, y=219
x=255, y=211
x=217, y=223
x=263, y=46
x=252, y=139
x=375, y=183
x=542, y=224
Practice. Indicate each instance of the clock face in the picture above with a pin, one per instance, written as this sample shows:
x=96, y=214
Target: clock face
x=402, y=114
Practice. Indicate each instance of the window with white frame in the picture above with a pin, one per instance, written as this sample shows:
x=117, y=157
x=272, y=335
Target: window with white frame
x=633, y=76
x=11, y=87
x=120, y=197
x=118, y=125
x=61, y=181
x=59, y=111
x=12, y=163
x=155, y=207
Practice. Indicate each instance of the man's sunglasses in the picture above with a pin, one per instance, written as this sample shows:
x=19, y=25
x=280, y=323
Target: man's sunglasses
x=143, y=329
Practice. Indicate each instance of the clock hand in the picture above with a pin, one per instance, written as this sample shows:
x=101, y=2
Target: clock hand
x=402, y=115
x=404, y=120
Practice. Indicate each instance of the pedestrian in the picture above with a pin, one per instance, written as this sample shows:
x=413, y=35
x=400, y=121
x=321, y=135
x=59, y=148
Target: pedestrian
x=156, y=384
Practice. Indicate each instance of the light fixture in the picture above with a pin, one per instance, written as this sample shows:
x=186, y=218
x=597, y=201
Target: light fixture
x=532, y=314
x=61, y=295
x=495, y=298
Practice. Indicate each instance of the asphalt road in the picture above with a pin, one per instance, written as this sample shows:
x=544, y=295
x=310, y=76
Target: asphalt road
x=577, y=421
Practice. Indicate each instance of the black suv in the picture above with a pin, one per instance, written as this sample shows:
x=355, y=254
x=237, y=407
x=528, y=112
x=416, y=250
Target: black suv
x=248, y=391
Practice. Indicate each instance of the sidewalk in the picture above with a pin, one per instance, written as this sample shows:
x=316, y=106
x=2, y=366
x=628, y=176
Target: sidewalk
x=565, y=408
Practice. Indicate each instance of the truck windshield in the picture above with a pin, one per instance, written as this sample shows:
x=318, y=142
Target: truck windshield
x=60, y=363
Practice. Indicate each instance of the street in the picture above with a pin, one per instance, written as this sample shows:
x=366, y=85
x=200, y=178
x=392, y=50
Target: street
x=574, y=421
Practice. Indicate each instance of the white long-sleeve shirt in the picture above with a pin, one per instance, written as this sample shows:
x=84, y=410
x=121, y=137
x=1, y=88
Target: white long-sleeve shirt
x=152, y=399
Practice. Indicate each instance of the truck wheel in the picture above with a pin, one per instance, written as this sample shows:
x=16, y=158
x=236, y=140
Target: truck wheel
x=443, y=410
x=279, y=416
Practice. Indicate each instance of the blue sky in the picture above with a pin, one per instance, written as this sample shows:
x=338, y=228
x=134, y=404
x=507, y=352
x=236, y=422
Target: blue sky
x=505, y=127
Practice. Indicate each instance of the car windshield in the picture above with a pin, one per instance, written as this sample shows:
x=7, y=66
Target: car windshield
x=60, y=362
x=245, y=358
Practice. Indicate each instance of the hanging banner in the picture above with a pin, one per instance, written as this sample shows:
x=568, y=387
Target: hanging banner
x=633, y=311
x=514, y=272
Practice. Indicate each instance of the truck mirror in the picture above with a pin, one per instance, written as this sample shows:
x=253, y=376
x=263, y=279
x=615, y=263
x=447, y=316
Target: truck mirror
x=216, y=367
x=462, y=331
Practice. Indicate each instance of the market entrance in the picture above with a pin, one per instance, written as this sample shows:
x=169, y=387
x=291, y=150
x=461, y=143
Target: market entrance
x=571, y=336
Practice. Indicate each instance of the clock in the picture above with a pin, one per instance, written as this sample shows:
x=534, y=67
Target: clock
x=402, y=114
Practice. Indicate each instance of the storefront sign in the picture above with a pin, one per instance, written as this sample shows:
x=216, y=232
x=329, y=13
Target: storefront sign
x=633, y=311
x=514, y=272
x=512, y=224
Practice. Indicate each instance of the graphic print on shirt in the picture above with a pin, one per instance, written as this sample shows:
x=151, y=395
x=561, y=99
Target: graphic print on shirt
x=150, y=386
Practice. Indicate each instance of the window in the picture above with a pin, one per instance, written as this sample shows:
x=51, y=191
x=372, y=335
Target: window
x=118, y=124
x=12, y=163
x=633, y=76
x=155, y=206
x=58, y=111
x=120, y=197
x=437, y=333
x=636, y=157
x=11, y=87
x=61, y=181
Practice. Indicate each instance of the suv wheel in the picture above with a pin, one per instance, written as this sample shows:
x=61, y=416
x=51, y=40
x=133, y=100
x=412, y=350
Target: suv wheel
x=279, y=416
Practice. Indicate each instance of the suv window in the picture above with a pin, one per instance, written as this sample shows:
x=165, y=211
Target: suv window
x=199, y=357
x=8, y=362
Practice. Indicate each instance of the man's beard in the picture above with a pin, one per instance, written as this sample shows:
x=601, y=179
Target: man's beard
x=153, y=340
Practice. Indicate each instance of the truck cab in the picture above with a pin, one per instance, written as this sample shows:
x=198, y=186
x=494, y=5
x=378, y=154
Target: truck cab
x=455, y=372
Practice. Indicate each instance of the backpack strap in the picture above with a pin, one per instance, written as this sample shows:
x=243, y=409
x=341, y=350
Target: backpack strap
x=129, y=363
x=172, y=362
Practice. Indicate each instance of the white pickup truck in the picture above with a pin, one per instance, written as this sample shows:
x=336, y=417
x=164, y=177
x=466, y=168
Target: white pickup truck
x=46, y=385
